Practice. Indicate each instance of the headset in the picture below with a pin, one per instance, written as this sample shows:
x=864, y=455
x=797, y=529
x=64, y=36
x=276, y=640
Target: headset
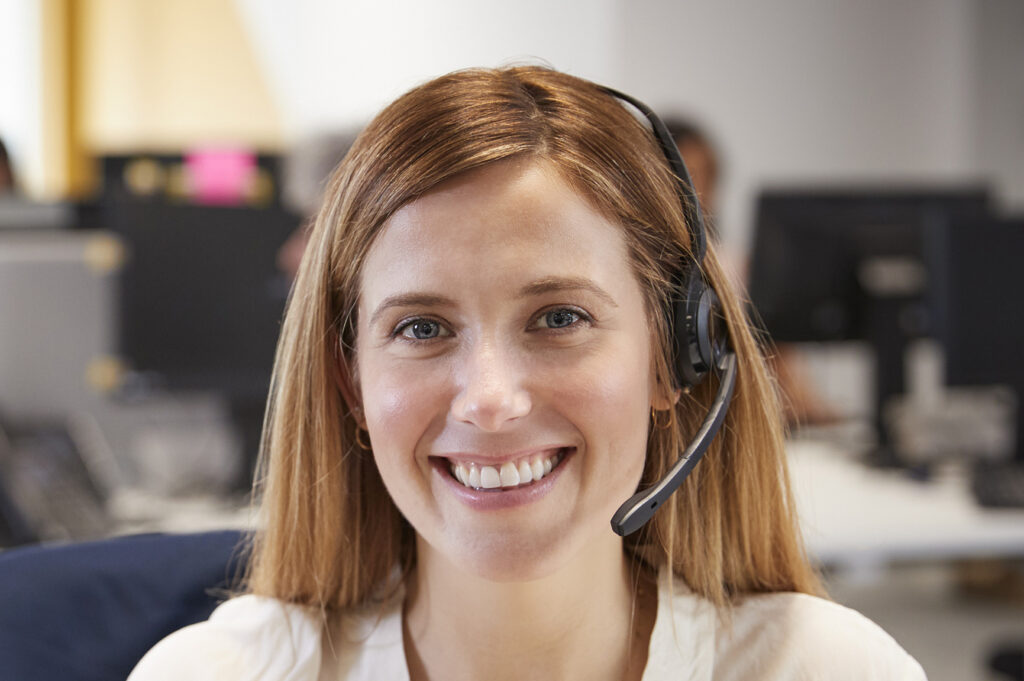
x=700, y=340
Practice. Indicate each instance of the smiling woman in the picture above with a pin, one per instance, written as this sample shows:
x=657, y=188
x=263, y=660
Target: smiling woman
x=521, y=342
x=473, y=374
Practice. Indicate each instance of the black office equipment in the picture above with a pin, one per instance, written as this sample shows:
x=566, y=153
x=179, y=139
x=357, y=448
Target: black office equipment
x=15, y=529
x=201, y=300
x=161, y=177
x=979, y=285
x=837, y=265
x=47, y=491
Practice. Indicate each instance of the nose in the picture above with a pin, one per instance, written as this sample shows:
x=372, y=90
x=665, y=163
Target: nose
x=491, y=392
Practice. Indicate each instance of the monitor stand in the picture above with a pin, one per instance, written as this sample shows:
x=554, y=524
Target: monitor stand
x=889, y=331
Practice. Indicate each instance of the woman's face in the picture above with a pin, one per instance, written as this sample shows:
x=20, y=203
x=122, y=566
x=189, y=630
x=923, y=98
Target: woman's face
x=504, y=365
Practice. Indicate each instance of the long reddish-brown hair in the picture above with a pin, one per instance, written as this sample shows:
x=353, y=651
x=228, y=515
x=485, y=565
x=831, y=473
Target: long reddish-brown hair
x=331, y=536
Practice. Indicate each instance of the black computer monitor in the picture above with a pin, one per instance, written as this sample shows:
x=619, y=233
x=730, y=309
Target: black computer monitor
x=980, y=287
x=982, y=284
x=201, y=297
x=838, y=265
x=201, y=300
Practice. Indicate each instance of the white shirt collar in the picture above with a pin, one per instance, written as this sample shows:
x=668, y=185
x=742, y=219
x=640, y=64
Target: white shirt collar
x=368, y=645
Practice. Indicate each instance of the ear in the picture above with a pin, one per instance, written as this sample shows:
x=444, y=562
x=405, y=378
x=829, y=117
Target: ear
x=662, y=396
x=662, y=399
x=345, y=380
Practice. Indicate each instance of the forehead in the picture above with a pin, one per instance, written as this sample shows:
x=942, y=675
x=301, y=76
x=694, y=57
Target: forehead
x=500, y=225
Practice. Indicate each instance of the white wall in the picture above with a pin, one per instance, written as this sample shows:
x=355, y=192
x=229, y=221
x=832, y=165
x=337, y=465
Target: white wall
x=335, y=64
x=20, y=90
x=998, y=94
x=809, y=91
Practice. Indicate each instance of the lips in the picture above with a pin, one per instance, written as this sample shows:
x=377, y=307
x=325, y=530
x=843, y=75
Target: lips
x=512, y=474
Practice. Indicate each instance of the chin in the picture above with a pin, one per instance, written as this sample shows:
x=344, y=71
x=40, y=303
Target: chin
x=519, y=557
x=516, y=561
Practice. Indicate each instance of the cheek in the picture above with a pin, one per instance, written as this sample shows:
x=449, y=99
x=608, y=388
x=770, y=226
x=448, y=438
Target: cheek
x=400, y=406
x=610, y=404
x=399, y=403
x=386, y=398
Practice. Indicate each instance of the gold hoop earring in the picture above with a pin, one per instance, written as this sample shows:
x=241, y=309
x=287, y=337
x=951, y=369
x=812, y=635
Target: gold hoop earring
x=359, y=439
x=668, y=420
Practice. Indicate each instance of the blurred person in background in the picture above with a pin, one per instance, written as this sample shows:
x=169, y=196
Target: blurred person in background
x=8, y=186
x=307, y=170
x=801, y=402
x=702, y=160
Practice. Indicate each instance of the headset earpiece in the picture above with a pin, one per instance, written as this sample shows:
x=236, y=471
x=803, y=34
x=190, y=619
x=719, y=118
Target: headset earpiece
x=697, y=333
x=694, y=314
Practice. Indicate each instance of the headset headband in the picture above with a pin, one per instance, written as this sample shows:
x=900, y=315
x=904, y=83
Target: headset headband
x=691, y=203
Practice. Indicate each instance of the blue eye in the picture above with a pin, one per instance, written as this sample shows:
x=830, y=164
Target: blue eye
x=422, y=329
x=560, y=318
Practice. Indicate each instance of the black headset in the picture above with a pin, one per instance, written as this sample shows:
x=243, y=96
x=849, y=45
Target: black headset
x=700, y=338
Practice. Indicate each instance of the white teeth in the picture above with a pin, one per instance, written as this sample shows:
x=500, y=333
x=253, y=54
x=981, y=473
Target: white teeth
x=509, y=474
x=525, y=472
x=489, y=477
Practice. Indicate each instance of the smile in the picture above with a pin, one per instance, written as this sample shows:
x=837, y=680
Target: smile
x=510, y=474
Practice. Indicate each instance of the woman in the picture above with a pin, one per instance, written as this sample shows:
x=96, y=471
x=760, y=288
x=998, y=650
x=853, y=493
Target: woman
x=473, y=374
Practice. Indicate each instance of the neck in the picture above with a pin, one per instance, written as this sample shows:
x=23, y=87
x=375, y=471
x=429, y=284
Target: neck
x=581, y=622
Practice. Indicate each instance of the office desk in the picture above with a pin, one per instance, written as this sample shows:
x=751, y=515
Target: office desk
x=854, y=516
x=137, y=511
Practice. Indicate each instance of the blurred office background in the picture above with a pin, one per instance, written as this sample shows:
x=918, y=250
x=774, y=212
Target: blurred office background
x=165, y=154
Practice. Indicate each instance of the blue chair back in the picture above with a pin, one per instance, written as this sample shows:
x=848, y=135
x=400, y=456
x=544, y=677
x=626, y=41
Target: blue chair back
x=90, y=611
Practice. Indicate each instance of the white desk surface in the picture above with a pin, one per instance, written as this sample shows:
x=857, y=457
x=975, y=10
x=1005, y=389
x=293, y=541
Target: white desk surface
x=137, y=511
x=853, y=515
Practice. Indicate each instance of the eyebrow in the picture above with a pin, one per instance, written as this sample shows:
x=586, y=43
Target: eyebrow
x=410, y=300
x=556, y=284
x=536, y=288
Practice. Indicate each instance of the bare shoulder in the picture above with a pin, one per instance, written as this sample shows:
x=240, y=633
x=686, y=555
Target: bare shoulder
x=248, y=638
x=796, y=636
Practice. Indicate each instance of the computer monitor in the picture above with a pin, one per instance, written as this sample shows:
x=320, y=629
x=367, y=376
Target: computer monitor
x=980, y=286
x=201, y=297
x=201, y=300
x=839, y=265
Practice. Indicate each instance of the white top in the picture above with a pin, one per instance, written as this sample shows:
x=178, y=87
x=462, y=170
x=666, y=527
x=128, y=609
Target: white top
x=772, y=636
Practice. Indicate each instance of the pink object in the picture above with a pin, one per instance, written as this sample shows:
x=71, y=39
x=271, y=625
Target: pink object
x=220, y=176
